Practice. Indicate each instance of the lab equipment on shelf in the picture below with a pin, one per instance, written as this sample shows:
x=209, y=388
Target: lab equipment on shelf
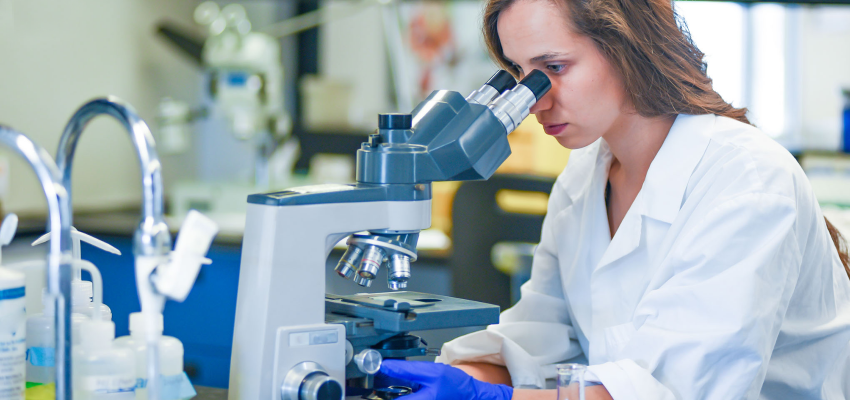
x=845, y=119
x=245, y=77
x=291, y=340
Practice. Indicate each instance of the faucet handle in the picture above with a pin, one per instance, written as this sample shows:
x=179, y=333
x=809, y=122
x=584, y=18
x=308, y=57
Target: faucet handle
x=175, y=278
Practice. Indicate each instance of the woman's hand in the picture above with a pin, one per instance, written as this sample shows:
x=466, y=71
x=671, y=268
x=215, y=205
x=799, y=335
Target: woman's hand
x=442, y=382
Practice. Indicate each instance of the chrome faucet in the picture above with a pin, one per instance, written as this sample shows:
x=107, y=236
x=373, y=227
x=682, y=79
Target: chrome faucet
x=151, y=237
x=59, y=271
x=152, y=240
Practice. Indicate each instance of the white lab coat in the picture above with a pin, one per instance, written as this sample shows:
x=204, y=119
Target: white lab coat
x=720, y=283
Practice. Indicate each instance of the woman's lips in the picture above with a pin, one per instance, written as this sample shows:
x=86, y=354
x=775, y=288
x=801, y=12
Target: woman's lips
x=554, y=130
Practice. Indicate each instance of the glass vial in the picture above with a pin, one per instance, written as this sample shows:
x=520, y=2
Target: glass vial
x=571, y=381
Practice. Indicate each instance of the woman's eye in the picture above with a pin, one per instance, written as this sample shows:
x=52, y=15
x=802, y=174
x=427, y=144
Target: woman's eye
x=556, y=68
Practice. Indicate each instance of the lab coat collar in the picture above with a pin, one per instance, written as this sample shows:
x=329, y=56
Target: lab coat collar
x=669, y=173
x=663, y=190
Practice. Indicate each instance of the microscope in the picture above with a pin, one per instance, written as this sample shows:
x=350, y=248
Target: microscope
x=245, y=81
x=292, y=341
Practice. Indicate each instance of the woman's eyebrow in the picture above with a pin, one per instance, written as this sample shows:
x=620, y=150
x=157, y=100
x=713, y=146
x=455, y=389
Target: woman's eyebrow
x=546, y=57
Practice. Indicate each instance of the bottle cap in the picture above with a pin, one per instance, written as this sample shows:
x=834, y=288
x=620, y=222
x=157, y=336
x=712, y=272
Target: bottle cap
x=81, y=292
x=137, y=322
x=96, y=334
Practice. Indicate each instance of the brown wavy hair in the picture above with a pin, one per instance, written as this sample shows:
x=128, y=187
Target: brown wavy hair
x=650, y=47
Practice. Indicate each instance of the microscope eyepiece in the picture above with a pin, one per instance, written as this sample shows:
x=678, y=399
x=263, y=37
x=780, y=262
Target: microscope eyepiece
x=537, y=82
x=395, y=121
x=498, y=83
x=502, y=80
x=514, y=105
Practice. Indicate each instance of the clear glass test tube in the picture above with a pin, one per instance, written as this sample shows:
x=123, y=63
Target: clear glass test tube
x=571, y=381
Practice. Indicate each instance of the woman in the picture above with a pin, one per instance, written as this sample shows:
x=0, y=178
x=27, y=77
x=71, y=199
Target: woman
x=683, y=252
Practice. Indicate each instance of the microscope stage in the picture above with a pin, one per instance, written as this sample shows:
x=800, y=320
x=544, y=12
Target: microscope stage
x=409, y=311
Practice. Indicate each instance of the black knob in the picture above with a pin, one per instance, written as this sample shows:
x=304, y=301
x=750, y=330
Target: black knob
x=319, y=386
x=502, y=81
x=537, y=82
x=395, y=121
x=331, y=390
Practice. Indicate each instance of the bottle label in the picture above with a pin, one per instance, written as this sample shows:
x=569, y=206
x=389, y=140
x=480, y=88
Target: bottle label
x=12, y=359
x=108, y=384
x=13, y=343
x=174, y=387
x=41, y=356
x=11, y=294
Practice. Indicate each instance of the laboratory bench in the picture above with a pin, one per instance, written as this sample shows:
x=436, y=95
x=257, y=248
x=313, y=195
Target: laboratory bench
x=204, y=322
x=212, y=393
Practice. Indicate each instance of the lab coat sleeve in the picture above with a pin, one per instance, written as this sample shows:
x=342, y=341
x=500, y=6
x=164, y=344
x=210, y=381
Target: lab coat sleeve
x=707, y=324
x=534, y=334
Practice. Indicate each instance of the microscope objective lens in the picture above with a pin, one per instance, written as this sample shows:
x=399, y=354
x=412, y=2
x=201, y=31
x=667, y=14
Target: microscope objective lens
x=372, y=259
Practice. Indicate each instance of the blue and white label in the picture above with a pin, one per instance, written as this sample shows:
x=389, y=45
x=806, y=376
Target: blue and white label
x=173, y=387
x=108, y=384
x=12, y=367
x=41, y=356
x=11, y=294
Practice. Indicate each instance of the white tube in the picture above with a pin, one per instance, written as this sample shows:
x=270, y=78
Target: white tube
x=97, y=282
x=152, y=305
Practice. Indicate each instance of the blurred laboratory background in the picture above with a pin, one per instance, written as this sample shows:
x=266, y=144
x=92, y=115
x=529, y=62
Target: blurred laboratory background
x=260, y=95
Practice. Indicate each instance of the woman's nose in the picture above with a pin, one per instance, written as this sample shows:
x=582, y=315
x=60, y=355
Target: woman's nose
x=543, y=104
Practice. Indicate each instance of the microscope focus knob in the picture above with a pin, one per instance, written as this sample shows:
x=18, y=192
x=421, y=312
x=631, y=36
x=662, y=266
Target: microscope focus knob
x=320, y=386
x=368, y=361
x=395, y=121
x=309, y=381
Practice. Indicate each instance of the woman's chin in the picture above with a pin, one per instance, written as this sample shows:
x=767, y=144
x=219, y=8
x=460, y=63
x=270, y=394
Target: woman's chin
x=574, y=142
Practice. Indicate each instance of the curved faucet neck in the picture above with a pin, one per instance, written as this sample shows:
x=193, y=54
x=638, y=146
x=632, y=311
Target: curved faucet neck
x=59, y=271
x=152, y=236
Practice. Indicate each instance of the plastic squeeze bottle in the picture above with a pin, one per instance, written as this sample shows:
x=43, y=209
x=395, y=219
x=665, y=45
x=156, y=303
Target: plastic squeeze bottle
x=102, y=371
x=84, y=299
x=40, y=342
x=175, y=383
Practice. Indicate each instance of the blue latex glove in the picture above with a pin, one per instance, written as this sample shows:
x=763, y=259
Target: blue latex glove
x=442, y=382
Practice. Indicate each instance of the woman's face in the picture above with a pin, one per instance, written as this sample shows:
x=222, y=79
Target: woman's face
x=587, y=99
